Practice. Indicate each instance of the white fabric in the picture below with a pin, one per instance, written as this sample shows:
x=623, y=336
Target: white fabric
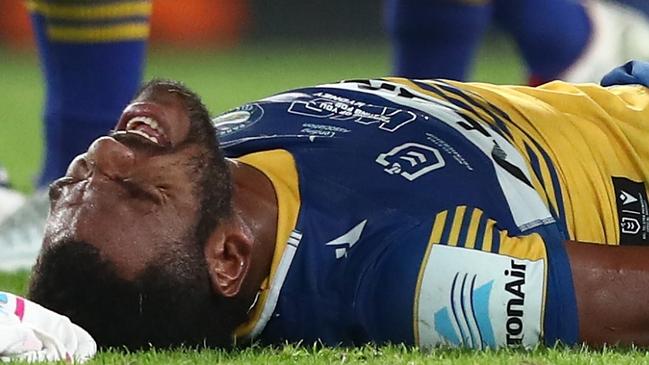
x=30, y=332
x=10, y=201
x=21, y=233
x=619, y=34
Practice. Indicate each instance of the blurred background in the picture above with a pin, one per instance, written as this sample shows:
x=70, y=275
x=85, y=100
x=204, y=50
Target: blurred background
x=231, y=52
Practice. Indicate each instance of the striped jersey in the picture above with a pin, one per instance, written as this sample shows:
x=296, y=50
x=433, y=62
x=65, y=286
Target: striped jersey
x=434, y=212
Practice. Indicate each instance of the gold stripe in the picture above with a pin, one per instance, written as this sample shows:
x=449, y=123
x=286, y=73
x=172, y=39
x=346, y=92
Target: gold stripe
x=487, y=239
x=435, y=236
x=128, y=31
x=530, y=247
x=476, y=215
x=456, y=227
x=91, y=12
x=438, y=227
x=279, y=167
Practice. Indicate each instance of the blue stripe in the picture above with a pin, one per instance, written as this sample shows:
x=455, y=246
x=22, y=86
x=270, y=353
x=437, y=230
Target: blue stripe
x=473, y=313
x=495, y=243
x=536, y=168
x=455, y=310
x=480, y=302
x=500, y=126
x=561, y=320
x=464, y=227
x=561, y=214
x=482, y=226
x=464, y=311
x=430, y=88
x=446, y=233
x=493, y=109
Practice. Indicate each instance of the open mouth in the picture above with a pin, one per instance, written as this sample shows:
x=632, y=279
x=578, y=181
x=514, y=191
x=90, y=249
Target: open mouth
x=146, y=127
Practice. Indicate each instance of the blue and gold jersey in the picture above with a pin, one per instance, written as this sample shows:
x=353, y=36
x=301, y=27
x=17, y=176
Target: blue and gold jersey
x=434, y=212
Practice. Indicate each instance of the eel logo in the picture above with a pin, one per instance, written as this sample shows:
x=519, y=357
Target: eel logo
x=411, y=160
x=630, y=225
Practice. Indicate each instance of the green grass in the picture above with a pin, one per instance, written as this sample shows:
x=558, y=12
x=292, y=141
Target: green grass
x=318, y=355
x=227, y=79
x=369, y=354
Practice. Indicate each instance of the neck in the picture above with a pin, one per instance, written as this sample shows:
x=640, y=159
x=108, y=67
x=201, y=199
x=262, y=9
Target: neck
x=255, y=202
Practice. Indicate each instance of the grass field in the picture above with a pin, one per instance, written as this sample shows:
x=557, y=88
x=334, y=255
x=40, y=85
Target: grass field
x=226, y=79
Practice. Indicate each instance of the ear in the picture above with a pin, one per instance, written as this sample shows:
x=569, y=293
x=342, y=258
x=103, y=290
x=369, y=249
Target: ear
x=228, y=254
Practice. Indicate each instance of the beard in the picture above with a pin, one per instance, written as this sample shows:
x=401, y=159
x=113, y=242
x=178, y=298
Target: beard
x=169, y=304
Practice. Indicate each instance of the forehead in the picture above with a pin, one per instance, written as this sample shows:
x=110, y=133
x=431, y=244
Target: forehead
x=163, y=93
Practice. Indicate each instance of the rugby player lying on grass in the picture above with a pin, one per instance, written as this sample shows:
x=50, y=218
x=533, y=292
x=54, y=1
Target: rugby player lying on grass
x=387, y=210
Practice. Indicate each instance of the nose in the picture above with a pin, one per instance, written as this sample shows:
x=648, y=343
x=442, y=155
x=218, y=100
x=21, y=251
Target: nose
x=110, y=158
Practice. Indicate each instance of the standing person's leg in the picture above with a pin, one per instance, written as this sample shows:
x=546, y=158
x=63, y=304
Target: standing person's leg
x=551, y=34
x=92, y=54
x=436, y=38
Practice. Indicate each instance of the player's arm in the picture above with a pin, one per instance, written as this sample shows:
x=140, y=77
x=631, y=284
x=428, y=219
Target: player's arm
x=612, y=292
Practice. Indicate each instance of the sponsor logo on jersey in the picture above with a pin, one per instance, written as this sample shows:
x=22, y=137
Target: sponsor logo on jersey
x=334, y=107
x=479, y=299
x=411, y=160
x=447, y=319
x=632, y=211
x=516, y=304
x=448, y=149
x=347, y=240
x=322, y=130
x=238, y=119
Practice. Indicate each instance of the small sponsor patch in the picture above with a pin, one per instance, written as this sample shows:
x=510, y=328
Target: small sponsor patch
x=238, y=119
x=632, y=211
x=477, y=299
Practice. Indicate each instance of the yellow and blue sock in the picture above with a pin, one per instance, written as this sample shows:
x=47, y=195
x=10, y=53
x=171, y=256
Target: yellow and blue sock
x=92, y=55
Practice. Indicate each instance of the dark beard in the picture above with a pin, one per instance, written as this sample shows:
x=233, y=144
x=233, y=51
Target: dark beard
x=170, y=304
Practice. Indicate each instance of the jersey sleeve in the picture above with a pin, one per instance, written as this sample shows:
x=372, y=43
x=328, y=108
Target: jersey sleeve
x=479, y=286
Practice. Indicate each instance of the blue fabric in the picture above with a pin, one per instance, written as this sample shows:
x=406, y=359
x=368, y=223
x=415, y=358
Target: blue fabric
x=87, y=86
x=434, y=38
x=440, y=38
x=640, y=5
x=364, y=160
x=632, y=72
x=550, y=34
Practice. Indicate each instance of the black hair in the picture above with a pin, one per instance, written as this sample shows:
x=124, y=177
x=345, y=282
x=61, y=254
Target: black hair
x=171, y=303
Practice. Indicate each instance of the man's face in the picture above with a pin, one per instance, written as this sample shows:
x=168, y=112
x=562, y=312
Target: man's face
x=134, y=190
x=123, y=248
